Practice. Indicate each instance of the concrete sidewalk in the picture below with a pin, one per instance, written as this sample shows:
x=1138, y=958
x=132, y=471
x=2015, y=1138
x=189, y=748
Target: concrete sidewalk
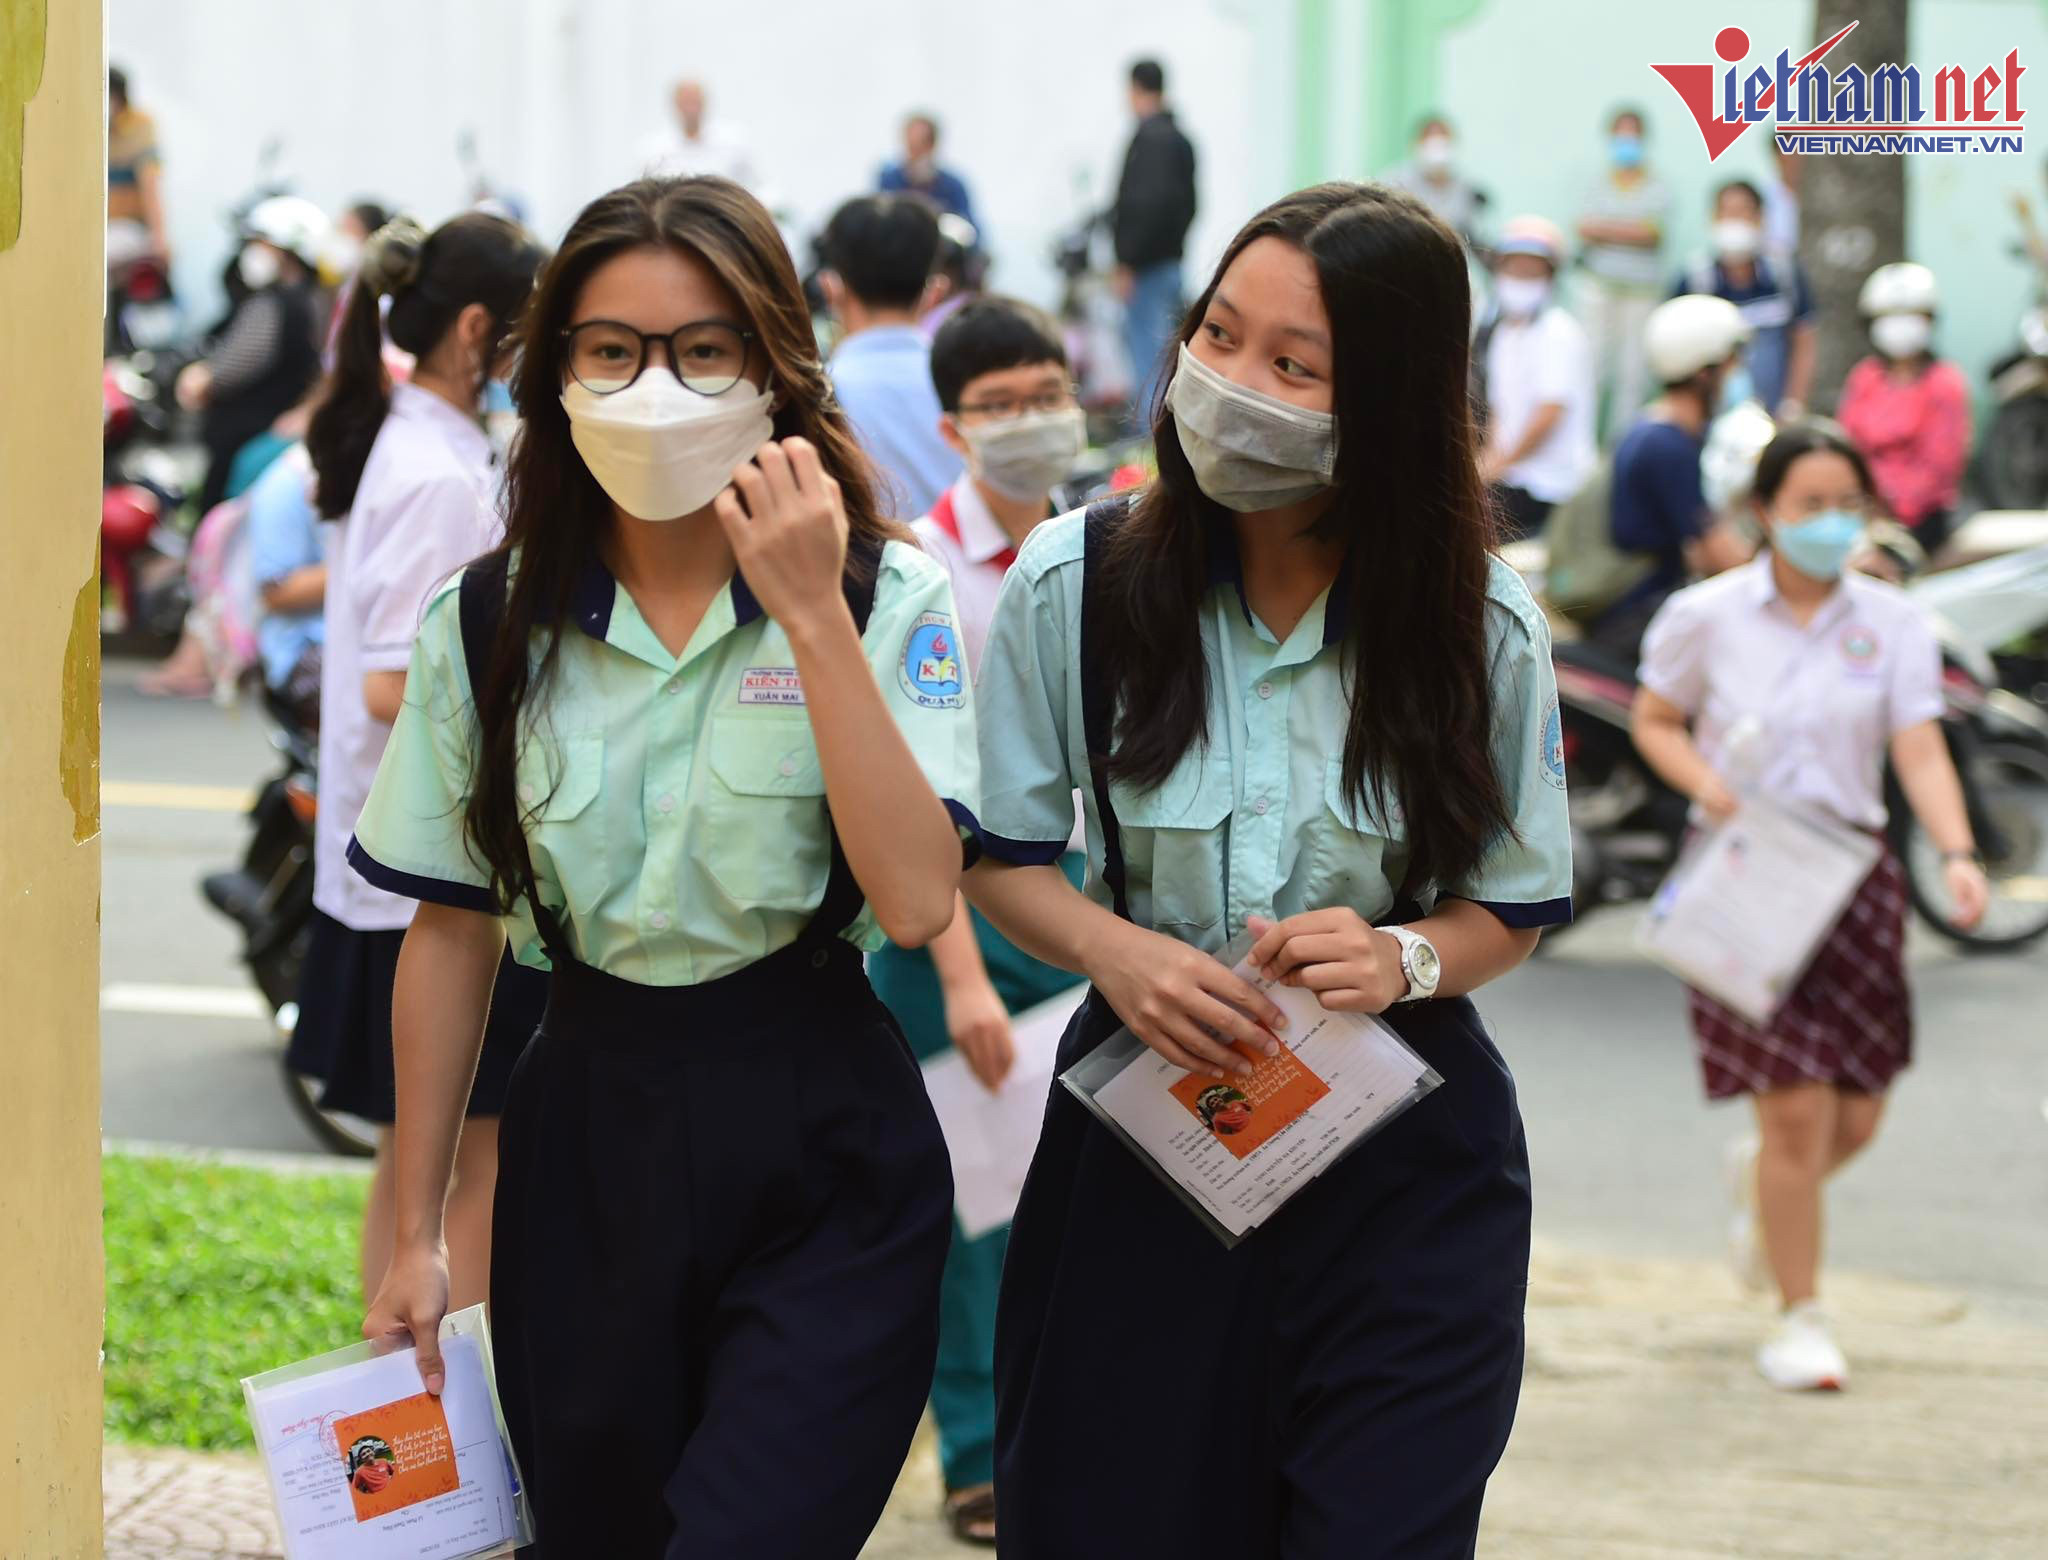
x=1644, y=1431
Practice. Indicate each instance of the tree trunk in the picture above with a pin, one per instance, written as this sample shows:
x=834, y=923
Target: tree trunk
x=1852, y=209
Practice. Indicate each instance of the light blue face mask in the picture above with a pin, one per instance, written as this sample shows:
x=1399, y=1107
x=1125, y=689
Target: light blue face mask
x=1737, y=387
x=1821, y=545
x=1626, y=150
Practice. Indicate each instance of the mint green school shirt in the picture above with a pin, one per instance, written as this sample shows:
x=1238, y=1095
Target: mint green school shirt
x=677, y=822
x=1257, y=822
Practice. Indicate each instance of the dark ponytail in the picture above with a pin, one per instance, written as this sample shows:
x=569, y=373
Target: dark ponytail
x=430, y=280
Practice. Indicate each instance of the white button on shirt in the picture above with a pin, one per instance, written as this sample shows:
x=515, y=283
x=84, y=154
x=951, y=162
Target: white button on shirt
x=1829, y=695
x=421, y=512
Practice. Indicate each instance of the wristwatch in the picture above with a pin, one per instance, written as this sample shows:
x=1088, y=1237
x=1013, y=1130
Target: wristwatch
x=1418, y=962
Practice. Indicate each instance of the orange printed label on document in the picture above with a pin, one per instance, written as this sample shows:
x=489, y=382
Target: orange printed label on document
x=1245, y=1112
x=397, y=1455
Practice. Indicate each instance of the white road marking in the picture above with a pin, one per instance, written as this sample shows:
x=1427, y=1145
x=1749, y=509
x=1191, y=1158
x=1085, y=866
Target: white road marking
x=183, y=1001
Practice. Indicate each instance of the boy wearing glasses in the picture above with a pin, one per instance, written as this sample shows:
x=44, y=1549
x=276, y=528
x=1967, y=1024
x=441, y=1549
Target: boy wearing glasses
x=1008, y=410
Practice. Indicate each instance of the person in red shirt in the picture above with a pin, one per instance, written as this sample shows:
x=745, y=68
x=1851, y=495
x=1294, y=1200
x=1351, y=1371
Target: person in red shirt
x=1908, y=410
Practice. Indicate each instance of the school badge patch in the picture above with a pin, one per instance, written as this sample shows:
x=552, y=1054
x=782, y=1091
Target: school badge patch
x=930, y=672
x=1553, y=746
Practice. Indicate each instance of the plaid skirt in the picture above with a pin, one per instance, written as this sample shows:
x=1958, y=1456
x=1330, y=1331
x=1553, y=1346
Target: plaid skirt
x=1849, y=1021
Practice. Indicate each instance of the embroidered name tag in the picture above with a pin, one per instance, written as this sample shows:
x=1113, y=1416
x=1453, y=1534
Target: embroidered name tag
x=771, y=685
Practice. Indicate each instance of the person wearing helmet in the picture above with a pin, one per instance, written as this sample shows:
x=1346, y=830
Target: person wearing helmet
x=1769, y=287
x=1659, y=509
x=267, y=356
x=1796, y=679
x=1908, y=410
x=1538, y=371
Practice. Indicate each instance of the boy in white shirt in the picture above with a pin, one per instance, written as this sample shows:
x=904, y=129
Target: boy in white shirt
x=1539, y=383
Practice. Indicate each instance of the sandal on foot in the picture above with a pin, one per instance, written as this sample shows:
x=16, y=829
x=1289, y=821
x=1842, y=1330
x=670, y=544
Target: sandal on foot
x=971, y=1514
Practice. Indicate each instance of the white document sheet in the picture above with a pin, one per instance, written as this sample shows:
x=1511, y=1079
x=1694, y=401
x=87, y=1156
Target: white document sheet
x=993, y=1136
x=1744, y=913
x=1340, y=1077
x=294, y=1425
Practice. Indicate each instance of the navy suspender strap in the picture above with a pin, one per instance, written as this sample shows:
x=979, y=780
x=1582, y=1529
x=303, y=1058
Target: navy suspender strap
x=482, y=603
x=1098, y=713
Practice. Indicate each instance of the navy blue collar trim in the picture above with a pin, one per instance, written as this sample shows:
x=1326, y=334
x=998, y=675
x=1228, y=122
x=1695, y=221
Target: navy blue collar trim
x=596, y=591
x=1226, y=567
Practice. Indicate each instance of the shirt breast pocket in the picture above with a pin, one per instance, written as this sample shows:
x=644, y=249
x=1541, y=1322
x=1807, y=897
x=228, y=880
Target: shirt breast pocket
x=1176, y=839
x=766, y=841
x=1361, y=849
x=559, y=777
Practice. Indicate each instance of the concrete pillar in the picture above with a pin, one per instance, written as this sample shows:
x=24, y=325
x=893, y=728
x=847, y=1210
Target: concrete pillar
x=52, y=222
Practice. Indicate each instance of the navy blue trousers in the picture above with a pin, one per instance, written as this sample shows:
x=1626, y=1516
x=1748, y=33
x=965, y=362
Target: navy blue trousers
x=1338, y=1387
x=722, y=1211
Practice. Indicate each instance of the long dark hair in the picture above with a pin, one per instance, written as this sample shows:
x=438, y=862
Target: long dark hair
x=430, y=279
x=556, y=513
x=1407, y=499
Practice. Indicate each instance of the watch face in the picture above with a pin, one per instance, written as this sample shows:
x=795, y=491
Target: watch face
x=1423, y=963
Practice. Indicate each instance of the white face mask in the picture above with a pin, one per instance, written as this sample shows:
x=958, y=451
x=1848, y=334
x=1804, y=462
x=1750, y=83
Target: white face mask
x=1433, y=153
x=1521, y=296
x=1022, y=457
x=1901, y=335
x=260, y=266
x=1737, y=240
x=1249, y=451
x=661, y=451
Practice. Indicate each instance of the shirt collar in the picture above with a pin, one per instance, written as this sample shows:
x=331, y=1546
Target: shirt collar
x=591, y=602
x=463, y=433
x=1764, y=590
x=1225, y=566
x=982, y=536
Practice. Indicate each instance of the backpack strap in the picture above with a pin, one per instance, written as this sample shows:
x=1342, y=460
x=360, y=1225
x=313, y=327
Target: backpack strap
x=1098, y=714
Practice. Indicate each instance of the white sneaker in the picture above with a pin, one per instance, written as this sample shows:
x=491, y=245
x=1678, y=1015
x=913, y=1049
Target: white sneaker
x=1745, y=1229
x=1801, y=1355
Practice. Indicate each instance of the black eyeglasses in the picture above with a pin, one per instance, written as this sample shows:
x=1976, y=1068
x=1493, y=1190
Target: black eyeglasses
x=1000, y=408
x=709, y=356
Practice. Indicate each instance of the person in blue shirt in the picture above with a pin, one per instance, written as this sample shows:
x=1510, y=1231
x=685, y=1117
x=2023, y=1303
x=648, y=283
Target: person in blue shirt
x=918, y=171
x=1692, y=344
x=1300, y=698
x=879, y=252
x=288, y=557
x=1770, y=288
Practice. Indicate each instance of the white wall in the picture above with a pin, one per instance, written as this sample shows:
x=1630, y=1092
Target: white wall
x=370, y=96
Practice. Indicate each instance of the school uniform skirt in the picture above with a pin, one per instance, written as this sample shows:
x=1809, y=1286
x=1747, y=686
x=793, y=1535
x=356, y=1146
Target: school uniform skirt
x=722, y=1213
x=343, y=1035
x=1337, y=1387
x=1849, y=1021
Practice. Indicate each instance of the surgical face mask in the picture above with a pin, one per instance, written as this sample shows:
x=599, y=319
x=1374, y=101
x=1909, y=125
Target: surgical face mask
x=1626, y=150
x=1736, y=240
x=260, y=266
x=1521, y=297
x=1821, y=545
x=1249, y=451
x=345, y=253
x=661, y=451
x=1901, y=335
x=1433, y=153
x=501, y=417
x=1022, y=457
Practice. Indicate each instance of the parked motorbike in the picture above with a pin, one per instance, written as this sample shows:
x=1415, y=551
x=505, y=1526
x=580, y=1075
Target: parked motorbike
x=142, y=491
x=269, y=896
x=1628, y=826
x=2013, y=458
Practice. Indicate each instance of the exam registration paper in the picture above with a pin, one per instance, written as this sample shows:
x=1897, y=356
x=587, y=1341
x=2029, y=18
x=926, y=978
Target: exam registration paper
x=365, y=1465
x=1238, y=1148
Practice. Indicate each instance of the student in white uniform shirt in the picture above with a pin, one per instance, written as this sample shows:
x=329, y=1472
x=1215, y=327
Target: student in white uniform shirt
x=1834, y=671
x=1009, y=410
x=407, y=471
x=1539, y=382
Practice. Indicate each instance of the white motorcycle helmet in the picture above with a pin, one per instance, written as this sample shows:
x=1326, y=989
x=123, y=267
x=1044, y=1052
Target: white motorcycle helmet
x=1728, y=463
x=1690, y=333
x=1903, y=287
x=292, y=223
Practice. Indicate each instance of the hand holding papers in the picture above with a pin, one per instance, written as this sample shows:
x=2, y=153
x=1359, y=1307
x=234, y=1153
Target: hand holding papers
x=1236, y=1150
x=364, y=1464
